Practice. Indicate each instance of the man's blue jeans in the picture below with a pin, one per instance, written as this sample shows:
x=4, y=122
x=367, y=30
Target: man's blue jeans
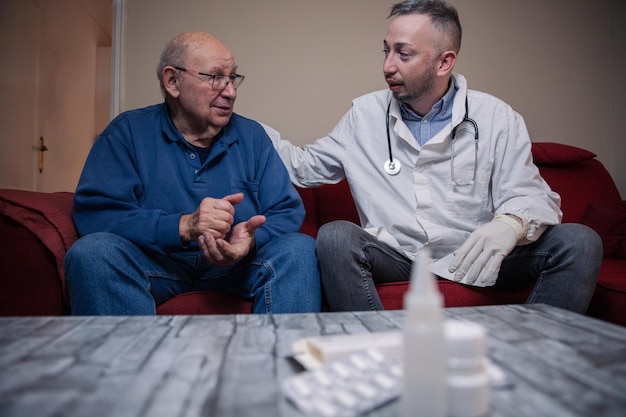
x=108, y=275
x=563, y=264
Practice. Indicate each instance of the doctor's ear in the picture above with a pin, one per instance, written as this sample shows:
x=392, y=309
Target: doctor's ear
x=446, y=62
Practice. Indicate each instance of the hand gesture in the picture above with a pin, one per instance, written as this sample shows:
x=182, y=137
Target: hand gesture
x=227, y=251
x=214, y=216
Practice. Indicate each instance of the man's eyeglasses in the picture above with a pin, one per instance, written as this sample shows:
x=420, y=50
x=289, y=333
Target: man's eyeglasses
x=219, y=82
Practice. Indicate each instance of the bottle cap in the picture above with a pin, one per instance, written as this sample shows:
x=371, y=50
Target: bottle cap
x=465, y=340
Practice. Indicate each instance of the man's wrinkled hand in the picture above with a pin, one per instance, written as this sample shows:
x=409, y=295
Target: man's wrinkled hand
x=233, y=248
x=214, y=216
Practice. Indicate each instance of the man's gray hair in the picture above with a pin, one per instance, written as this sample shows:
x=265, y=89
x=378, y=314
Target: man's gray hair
x=174, y=54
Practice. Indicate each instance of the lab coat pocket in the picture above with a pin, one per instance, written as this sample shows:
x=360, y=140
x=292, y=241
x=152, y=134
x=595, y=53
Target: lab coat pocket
x=467, y=198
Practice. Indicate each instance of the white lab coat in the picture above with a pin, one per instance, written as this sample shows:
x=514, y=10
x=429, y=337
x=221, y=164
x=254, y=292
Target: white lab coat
x=421, y=205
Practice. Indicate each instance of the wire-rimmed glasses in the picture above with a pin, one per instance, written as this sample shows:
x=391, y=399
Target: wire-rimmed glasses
x=218, y=81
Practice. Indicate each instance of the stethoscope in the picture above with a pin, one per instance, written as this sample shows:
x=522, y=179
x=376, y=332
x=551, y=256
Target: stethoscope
x=392, y=167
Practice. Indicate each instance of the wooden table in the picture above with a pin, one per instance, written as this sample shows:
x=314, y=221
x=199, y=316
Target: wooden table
x=563, y=364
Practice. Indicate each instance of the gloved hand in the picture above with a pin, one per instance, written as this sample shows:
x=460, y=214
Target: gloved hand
x=484, y=250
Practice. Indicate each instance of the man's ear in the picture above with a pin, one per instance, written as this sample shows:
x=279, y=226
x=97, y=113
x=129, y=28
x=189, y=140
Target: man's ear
x=170, y=81
x=446, y=63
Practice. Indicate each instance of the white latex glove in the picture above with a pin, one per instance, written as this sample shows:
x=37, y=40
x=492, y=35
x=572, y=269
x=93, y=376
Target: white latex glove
x=484, y=250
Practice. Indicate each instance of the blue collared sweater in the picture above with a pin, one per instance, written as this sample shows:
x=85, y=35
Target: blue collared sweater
x=141, y=176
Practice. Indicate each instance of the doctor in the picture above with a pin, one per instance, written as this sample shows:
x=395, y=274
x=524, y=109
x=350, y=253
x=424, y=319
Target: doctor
x=432, y=163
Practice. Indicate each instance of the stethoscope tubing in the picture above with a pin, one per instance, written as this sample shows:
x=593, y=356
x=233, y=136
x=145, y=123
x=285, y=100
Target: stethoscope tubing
x=392, y=167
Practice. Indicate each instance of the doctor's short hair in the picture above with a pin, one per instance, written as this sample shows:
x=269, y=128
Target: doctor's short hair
x=444, y=17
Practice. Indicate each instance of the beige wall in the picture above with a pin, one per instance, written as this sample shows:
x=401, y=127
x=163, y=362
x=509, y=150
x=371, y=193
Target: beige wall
x=558, y=62
x=18, y=93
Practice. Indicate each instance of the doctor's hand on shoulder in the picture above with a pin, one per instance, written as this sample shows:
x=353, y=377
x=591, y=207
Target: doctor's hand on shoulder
x=480, y=257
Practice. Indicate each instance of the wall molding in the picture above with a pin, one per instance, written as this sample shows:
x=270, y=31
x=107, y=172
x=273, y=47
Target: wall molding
x=117, y=58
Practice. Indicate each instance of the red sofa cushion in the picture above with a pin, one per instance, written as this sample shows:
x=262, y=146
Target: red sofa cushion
x=610, y=224
x=454, y=295
x=609, y=299
x=334, y=202
x=550, y=153
x=204, y=302
x=309, y=225
x=575, y=174
x=29, y=282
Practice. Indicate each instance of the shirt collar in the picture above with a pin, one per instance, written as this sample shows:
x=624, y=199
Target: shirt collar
x=439, y=111
x=168, y=125
x=175, y=136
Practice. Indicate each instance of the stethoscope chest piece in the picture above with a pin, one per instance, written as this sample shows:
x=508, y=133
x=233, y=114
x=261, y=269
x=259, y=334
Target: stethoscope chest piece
x=392, y=167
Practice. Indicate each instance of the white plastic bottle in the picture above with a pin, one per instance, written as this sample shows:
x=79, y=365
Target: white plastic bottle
x=424, y=349
x=468, y=382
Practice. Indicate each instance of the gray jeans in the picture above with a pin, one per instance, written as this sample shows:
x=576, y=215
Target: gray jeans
x=564, y=265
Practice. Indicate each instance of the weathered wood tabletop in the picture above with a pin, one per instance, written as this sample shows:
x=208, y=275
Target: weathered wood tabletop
x=562, y=364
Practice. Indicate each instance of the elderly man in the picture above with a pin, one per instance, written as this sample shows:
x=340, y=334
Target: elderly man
x=187, y=195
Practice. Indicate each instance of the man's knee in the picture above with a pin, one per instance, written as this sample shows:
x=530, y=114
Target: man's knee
x=580, y=239
x=291, y=245
x=93, y=254
x=94, y=244
x=299, y=241
x=337, y=235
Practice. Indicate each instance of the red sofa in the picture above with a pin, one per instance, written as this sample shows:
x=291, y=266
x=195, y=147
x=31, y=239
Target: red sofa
x=36, y=230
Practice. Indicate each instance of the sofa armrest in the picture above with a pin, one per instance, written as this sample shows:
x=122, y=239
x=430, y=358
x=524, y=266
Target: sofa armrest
x=48, y=216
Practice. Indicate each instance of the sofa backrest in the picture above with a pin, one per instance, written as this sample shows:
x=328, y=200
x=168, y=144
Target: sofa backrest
x=578, y=177
x=325, y=204
x=572, y=172
x=580, y=184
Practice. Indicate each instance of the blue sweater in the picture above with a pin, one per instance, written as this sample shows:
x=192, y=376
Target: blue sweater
x=141, y=176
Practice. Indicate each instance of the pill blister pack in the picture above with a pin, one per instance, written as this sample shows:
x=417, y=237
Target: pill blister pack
x=346, y=387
